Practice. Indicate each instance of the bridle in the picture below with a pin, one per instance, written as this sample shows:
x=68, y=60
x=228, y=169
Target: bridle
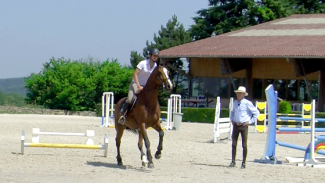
x=161, y=80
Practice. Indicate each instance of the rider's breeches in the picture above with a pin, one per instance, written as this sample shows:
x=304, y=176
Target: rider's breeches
x=133, y=89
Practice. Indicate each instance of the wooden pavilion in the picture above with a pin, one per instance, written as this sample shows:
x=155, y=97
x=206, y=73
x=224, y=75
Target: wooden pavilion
x=291, y=48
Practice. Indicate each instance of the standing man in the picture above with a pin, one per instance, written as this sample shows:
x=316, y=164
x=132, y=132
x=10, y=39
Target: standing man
x=242, y=114
x=140, y=76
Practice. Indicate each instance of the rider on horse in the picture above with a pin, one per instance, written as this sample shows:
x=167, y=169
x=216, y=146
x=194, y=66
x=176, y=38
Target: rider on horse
x=140, y=77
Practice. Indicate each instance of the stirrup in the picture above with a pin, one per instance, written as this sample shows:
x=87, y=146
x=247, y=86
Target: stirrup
x=122, y=120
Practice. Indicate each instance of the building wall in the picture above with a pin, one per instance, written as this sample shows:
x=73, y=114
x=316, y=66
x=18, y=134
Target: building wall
x=210, y=67
x=262, y=68
x=276, y=68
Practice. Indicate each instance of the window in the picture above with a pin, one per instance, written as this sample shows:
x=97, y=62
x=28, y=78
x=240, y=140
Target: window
x=292, y=90
x=210, y=87
x=257, y=90
x=303, y=90
x=236, y=83
x=280, y=86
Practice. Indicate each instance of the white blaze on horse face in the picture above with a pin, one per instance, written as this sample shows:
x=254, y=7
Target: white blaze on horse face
x=166, y=74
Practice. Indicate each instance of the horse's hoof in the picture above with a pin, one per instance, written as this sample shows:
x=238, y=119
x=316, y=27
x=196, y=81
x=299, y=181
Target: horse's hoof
x=150, y=165
x=157, y=156
x=144, y=164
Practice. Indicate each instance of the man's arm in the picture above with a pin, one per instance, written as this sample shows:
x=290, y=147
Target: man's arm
x=255, y=112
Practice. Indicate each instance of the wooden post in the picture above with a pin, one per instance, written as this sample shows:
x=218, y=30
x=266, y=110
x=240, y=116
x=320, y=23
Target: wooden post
x=249, y=81
x=321, y=95
x=263, y=89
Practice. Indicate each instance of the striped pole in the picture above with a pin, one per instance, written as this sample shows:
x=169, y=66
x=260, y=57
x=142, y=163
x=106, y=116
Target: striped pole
x=320, y=120
x=79, y=146
x=76, y=146
x=300, y=130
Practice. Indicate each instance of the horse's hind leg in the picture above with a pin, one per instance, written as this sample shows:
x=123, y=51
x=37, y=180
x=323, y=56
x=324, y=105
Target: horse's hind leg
x=119, y=133
x=161, y=137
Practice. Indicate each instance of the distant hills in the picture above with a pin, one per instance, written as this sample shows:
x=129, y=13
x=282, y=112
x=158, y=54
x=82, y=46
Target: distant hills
x=13, y=85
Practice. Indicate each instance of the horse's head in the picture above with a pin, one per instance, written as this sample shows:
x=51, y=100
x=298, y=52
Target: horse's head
x=163, y=77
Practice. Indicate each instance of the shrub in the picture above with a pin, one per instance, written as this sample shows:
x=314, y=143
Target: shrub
x=284, y=107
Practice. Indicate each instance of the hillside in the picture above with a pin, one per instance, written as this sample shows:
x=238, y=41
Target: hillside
x=13, y=85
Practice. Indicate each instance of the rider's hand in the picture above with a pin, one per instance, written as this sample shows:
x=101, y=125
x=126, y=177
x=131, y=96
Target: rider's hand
x=140, y=88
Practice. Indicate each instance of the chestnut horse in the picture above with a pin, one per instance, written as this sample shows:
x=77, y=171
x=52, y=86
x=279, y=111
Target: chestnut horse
x=144, y=114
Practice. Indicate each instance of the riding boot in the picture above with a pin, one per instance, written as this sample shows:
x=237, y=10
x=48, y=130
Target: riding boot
x=123, y=111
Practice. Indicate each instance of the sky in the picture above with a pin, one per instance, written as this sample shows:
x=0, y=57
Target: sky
x=34, y=31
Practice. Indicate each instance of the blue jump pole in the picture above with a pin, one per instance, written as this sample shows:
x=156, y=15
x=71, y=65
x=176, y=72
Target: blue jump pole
x=292, y=146
x=300, y=129
x=269, y=150
x=320, y=120
x=103, y=120
x=320, y=137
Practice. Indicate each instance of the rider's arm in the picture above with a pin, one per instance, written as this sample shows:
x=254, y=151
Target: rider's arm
x=135, y=77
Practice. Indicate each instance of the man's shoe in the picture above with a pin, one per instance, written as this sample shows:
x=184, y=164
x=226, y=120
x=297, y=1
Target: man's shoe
x=243, y=166
x=232, y=164
x=121, y=120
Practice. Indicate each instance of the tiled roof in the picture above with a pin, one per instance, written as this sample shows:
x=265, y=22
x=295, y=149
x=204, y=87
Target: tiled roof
x=297, y=36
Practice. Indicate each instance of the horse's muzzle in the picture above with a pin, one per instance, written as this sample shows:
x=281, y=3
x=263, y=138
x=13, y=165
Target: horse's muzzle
x=169, y=85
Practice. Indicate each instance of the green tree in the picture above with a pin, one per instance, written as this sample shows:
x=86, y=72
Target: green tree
x=310, y=6
x=173, y=34
x=135, y=59
x=266, y=10
x=76, y=85
x=224, y=16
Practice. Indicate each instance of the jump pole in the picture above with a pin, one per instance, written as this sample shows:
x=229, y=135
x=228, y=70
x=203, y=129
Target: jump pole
x=312, y=159
x=107, y=108
x=23, y=144
x=174, y=106
x=222, y=125
x=269, y=150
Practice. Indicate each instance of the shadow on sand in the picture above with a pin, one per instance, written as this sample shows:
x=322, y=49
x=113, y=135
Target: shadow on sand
x=122, y=167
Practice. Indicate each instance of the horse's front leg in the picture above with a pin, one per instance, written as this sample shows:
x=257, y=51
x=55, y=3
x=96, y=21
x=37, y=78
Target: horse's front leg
x=143, y=157
x=157, y=127
x=119, y=133
x=147, y=144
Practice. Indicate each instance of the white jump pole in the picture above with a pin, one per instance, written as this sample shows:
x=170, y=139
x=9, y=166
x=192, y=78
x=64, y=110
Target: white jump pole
x=169, y=109
x=88, y=145
x=107, y=108
x=37, y=133
x=312, y=161
x=222, y=125
x=216, y=119
x=174, y=106
x=231, y=106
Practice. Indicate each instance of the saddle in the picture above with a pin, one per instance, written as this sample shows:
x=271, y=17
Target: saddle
x=129, y=108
